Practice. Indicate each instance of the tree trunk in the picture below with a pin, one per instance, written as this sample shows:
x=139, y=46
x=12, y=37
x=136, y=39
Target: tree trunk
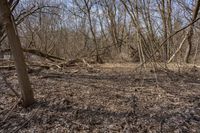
x=162, y=9
x=15, y=44
x=88, y=8
x=169, y=27
x=190, y=32
x=1, y=34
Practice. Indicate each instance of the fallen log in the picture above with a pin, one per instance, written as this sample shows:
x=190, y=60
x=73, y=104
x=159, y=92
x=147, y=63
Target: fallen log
x=9, y=67
x=74, y=62
x=36, y=52
x=56, y=65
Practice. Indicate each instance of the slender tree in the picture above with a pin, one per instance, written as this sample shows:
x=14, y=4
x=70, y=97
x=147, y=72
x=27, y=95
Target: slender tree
x=15, y=44
x=191, y=32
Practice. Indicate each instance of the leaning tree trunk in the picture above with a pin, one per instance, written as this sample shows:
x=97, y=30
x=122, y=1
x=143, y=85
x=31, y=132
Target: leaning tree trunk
x=190, y=32
x=15, y=44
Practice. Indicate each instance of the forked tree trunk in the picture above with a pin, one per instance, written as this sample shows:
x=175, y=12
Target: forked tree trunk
x=15, y=44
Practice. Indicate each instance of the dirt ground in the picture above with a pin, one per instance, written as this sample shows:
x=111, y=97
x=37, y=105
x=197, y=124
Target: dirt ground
x=107, y=98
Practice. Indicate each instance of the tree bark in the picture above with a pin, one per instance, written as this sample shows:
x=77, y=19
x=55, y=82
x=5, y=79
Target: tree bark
x=190, y=32
x=170, y=42
x=15, y=44
x=162, y=9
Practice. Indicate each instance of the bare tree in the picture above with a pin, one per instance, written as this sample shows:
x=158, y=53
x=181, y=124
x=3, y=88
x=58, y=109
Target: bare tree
x=103, y=29
x=14, y=41
x=191, y=32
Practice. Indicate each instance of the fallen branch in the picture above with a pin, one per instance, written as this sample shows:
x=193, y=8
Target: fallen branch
x=9, y=67
x=26, y=122
x=11, y=110
x=42, y=65
x=178, y=49
x=80, y=124
x=9, y=85
x=86, y=63
x=70, y=63
x=38, y=53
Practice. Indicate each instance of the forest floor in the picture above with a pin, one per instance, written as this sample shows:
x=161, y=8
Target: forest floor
x=105, y=98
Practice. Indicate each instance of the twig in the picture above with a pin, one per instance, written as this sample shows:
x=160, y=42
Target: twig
x=3, y=111
x=9, y=67
x=11, y=110
x=86, y=63
x=83, y=125
x=26, y=122
x=9, y=85
x=161, y=125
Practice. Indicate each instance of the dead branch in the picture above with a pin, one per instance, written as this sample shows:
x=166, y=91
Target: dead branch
x=179, y=48
x=11, y=110
x=72, y=62
x=9, y=85
x=9, y=67
x=38, y=53
x=27, y=121
x=164, y=42
x=41, y=54
x=86, y=63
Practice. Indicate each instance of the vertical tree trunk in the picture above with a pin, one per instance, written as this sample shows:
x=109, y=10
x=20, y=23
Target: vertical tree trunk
x=190, y=32
x=111, y=11
x=15, y=44
x=169, y=26
x=133, y=12
x=98, y=58
x=162, y=8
